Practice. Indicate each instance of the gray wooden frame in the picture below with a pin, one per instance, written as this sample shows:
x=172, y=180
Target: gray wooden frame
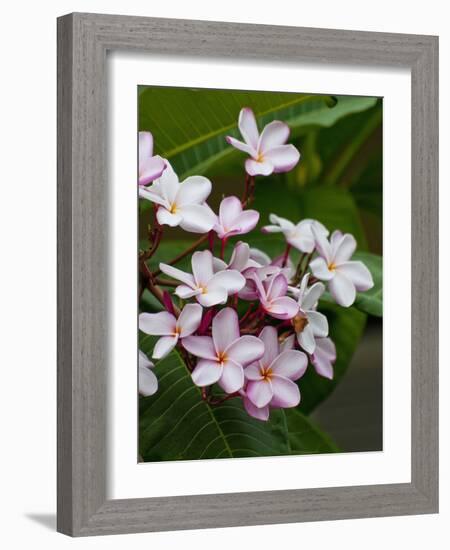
x=83, y=41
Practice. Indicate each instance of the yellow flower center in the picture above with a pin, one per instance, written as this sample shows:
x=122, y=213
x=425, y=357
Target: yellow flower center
x=221, y=357
x=173, y=208
x=260, y=157
x=299, y=323
x=267, y=374
x=332, y=266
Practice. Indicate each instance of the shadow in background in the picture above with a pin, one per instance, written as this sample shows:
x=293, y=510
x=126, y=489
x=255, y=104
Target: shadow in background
x=46, y=520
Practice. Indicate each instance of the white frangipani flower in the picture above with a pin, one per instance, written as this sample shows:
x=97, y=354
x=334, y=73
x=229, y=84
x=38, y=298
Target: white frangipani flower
x=148, y=383
x=298, y=235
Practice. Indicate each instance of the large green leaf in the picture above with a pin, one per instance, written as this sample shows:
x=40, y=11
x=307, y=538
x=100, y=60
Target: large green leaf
x=177, y=424
x=346, y=328
x=305, y=437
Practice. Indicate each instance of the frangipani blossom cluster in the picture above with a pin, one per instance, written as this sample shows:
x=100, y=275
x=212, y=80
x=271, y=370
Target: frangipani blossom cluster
x=245, y=324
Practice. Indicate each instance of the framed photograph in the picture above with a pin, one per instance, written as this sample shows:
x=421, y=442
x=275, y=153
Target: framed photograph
x=247, y=274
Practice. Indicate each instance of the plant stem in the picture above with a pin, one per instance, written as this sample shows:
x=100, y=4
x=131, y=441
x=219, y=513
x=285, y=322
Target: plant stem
x=166, y=282
x=286, y=255
x=182, y=255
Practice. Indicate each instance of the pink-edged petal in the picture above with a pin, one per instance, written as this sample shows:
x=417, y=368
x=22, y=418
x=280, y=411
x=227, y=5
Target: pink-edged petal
x=240, y=145
x=253, y=372
x=261, y=413
x=257, y=168
x=193, y=190
x=323, y=357
x=271, y=229
x=151, y=169
x=301, y=241
x=157, y=324
x=144, y=361
x=358, y=273
x=283, y=308
x=277, y=287
x=288, y=343
x=164, y=346
x=259, y=256
x=306, y=339
x=206, y=373
x=283, y=158
x=177, y=274
x=145, y=145
x=165, y=217
x=342, y=289
x=200, y=346
x=240, y=256
x=214, y=297
x=269, y=337
x=229, y=210
x=312, y=295
x=230, y=280
x=345, y=248
x=245, y=222
x=189, y=319
x=196, y=218
x=225, y=329
x=148, y=383
x=219, y=265
x=273, y=135
x=232, y=378
x=202, y=267
x=185, y=292
x=290, y=364
x=319, y=269
x=248, y=128
x=152, y=195
x=318, y=323
x=322, y=245
x=260, y=392
x=285, y=392
x=245, y=350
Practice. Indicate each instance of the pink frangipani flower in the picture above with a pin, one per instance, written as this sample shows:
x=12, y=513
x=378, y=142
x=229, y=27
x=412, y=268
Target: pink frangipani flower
x=271, y=378
x=170, y=328
x=150, y=167
x=233, y=220
x=268, y=151
x=209, y=288
x=240, y=259
x=309, y=324
x=181, y=203
x=148, y=383
x=324, y=357
x=344, y=277
x=272, y=295
x=223, y=356
x=299, y=235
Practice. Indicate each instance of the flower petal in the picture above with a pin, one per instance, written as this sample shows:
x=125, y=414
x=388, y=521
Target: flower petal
x=259, y=392
x=148, y=383
x=200, y=346
x=271, y=229
x=283, y=308
x=229, y=210
x=312, y=295
x=290, y=364
x=269, y=337
x=248, y=128
x=245, y=350
x=244, y=223
x=151, y=194
x=261, y=413
x=277, y=286
x=150, y=169
x=319, y=268
x=240, y=256
x=241, y=146
x=318, y=323
x=259, y=256
x=230, y=280
x=323, y=357
x=206, y=373
x=274, y=134
x=176, y=273
x=358, y=273
x=232, y=378
x=322, y=244
x=202, y=267
x=306, y=339
x=164, y=346
x=158, y=324
x=196, y=218
x=225, y=329
x=193, y=190
x=185, y=292
x=189, y=319
x=253, y=371
x=283, y=158
x=256, y=168
x=145, y=145
x=165, y=217
x=144, y=361
x=285, y=392
x=212, y=297
x=344, y=249
x=342, y=289
x=168, y=184
x=288, y=343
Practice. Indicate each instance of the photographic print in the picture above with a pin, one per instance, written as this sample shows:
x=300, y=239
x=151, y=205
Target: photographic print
x=260, y=273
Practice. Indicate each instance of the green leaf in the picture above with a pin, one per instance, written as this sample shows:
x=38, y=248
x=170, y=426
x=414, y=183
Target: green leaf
x=371, y=301
x=305, y=437
x=346, y=328
x=177, y=424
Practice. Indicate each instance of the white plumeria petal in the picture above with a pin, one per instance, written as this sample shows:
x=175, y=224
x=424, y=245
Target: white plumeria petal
x=209, y=298
x=240, y=257
x=230, y=280
x=165, y=217
x=259, y=256
x=164, y=346
x=286, y=225
x=358, y=273
x=200, y=346
x=259, y=392
x=288, y=343
x=185, y=292
x=168, y=184
x=269, y=337
x=232, y=379
x=273, y=135
x=150, y=194
x=244, y=223
x=206, y=373
x=144, y=361
x=158, y=324
x=258, y=168
x=319, y=269
x=283, y=158
x=342, y=289
x=344, y=249
x=229, y=210
x=245, y=350
x=285, y=392
x=261, y=413
x=290, y=364
x=145, y=145
x=148, y=383
x=240, y=145
x=196, y=218
x=323, y=357
x=150, y=169
x=193, y=190
x=322, y=245
x=189, y=319
x=271, y=229
x=248, y=128
x=177, y=274
x=225, y=329
x=253, y=372
x=202, y=267
x=318, y=323
x=306, y=339
x=312, y=295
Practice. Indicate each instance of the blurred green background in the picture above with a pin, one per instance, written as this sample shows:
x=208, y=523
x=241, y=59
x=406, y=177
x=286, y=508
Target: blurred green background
x=337, y=181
